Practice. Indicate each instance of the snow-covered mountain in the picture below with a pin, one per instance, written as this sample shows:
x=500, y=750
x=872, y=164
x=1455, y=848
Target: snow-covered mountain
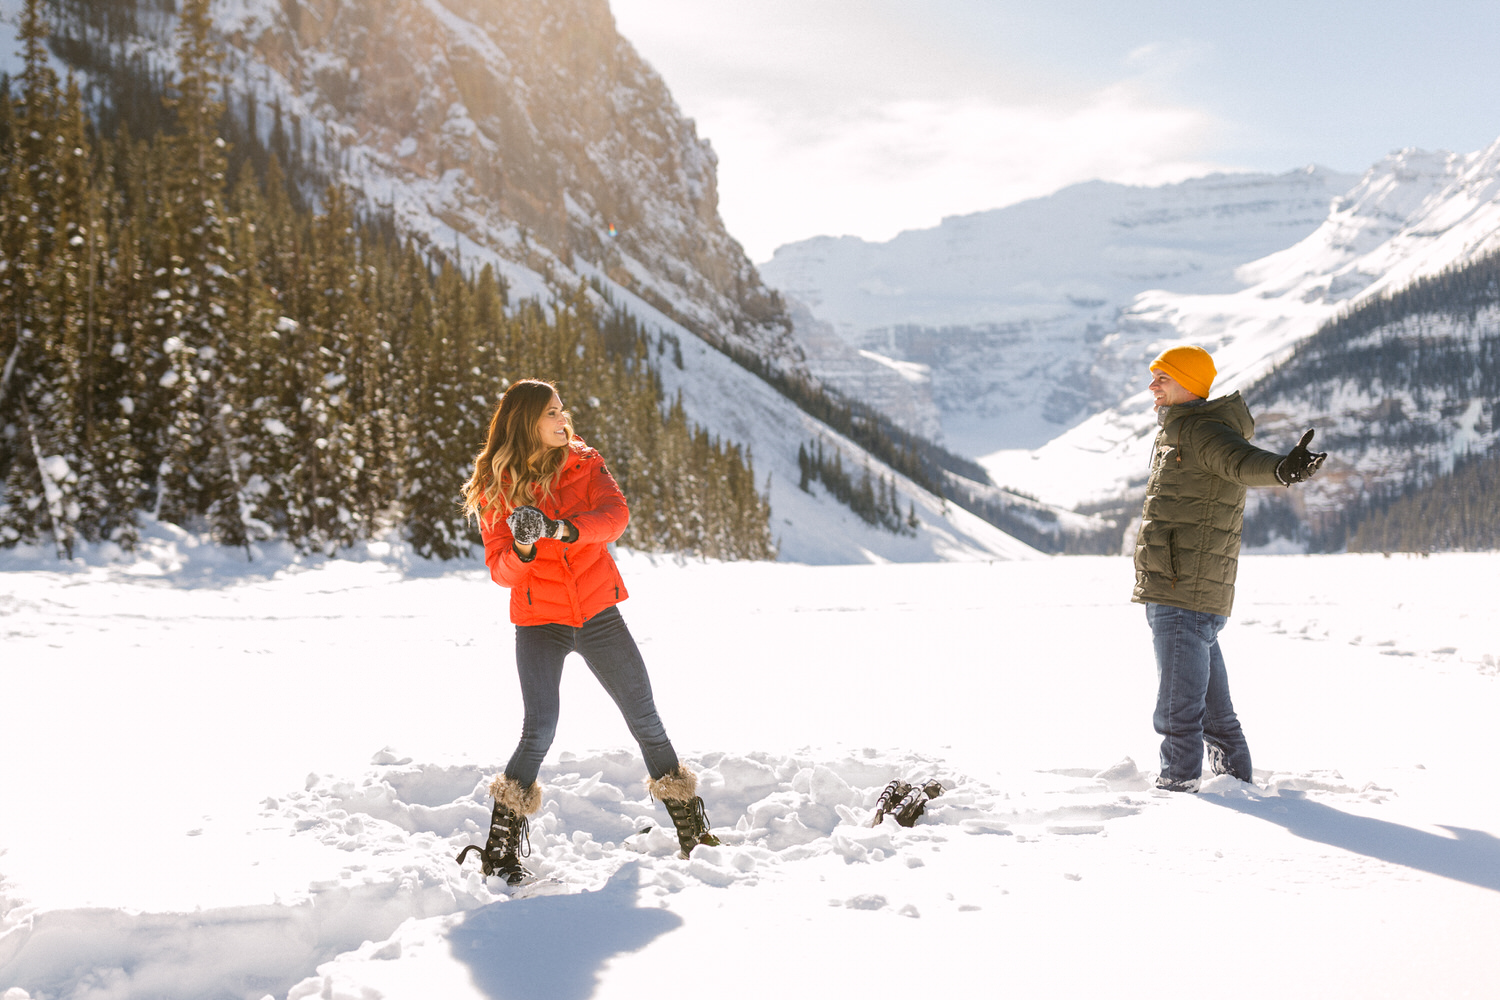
x=989, y=325
x=1032, y=325
x=1412, y=215
x=529, y=135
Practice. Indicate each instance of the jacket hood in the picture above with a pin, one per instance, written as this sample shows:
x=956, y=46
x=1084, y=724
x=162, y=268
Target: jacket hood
x=1230, y=409
x=579, y=449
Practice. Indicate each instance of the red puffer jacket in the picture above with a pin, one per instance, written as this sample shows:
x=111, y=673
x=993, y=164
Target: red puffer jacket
x=565, y=582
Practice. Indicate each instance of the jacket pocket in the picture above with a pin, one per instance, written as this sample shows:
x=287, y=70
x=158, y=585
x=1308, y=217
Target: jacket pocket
x=528, y=595
x=1172, y=556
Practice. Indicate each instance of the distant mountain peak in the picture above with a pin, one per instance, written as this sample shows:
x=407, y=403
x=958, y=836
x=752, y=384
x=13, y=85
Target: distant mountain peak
x=1007, y=307
x=1412, y=215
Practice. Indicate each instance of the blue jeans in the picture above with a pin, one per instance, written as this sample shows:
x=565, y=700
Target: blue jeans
x=607, y=647
x=1192, y=696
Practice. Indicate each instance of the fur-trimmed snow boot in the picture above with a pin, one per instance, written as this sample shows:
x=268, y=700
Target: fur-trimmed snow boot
x=678, y=791
x=509, y=838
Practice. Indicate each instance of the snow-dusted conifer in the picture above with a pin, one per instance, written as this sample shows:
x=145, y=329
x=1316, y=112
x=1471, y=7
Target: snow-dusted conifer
x=39, y=381
x=192, y=271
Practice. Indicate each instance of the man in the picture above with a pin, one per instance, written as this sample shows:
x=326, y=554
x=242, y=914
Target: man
x=1187, y=553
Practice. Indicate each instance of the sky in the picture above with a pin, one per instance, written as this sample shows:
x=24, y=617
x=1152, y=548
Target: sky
x=867, y=117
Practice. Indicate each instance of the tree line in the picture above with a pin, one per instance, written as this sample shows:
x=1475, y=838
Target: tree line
x=182, y=339
x=1460, y=510
x=872, y=498
x=1433, y=343
x=1380, y=343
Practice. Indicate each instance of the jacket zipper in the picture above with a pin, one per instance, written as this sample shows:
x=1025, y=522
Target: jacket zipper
x=1172, y=556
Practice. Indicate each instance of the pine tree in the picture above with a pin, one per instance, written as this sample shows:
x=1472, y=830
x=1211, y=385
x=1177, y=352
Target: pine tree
x=198, y=474
x=429, y=493
x=372, y=469
x=40, y=380
x=451, y=424
x=243, y=510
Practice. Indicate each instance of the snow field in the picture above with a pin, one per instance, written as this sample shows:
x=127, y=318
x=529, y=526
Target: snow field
x=249, y=780
x=397, y=913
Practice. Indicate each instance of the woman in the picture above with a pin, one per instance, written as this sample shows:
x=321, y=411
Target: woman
x=547, y=507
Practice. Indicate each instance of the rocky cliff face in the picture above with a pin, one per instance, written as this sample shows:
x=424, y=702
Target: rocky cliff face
x=525, y=133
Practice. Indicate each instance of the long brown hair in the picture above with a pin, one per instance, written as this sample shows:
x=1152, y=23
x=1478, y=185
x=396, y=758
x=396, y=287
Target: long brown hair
x=515, y=467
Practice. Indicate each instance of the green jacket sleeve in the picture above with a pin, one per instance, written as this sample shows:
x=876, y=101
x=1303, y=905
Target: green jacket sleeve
x=1224, y=452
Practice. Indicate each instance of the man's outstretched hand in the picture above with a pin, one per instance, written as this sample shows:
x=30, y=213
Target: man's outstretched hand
x=1300, y=464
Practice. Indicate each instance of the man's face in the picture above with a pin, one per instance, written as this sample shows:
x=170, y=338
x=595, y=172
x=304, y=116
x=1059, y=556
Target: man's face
x=1167, y=391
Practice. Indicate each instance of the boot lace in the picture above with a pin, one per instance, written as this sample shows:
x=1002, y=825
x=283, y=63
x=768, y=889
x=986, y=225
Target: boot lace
x=890, y=799
x=699, y=816
x=520, y=841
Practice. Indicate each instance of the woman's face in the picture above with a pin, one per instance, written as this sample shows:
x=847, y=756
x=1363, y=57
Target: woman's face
x=552, y=429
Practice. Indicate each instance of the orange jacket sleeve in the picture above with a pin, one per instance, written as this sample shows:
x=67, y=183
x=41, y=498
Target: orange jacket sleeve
x=507, y=568
x=608, y=514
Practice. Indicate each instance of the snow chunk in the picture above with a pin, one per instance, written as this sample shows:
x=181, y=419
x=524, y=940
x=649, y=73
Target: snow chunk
x=866, y=901
x=386, y=755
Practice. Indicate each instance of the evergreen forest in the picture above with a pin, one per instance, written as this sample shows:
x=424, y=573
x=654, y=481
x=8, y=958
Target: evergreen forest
x=1459, y=511
x=184, y=337
x=874, y=500
x=1434, y=343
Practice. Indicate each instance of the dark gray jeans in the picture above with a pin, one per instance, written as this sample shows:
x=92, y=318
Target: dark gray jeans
x=611, y=653
x=1192, y=695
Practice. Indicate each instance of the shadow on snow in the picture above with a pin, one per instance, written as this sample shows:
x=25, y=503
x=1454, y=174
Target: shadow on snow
x=553, y=947
x=1471, y=856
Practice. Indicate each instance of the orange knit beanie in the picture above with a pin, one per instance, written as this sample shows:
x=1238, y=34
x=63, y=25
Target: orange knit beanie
x=1191, y=366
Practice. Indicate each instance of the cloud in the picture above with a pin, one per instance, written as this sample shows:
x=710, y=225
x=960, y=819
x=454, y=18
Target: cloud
x=865, y=119
x=908, y=163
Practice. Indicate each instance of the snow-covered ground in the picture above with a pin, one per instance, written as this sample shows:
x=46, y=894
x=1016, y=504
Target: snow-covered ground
x=224, y=779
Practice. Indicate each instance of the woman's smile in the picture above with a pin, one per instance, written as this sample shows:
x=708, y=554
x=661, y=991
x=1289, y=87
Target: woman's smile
x=552, y=428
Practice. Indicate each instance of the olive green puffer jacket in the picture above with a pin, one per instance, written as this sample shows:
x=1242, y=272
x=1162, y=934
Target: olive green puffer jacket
x=1188, y=550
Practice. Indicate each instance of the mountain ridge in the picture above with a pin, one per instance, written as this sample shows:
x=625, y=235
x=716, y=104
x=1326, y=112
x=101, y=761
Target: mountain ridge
x=1005, y=308
x=528, y=136
x=1412, y=218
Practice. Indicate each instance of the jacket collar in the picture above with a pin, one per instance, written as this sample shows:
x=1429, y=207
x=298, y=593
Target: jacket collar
x=1230, y=409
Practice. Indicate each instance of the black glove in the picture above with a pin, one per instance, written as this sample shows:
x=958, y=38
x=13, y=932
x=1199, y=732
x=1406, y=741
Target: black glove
x=527, y=525
x=1299, y=464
